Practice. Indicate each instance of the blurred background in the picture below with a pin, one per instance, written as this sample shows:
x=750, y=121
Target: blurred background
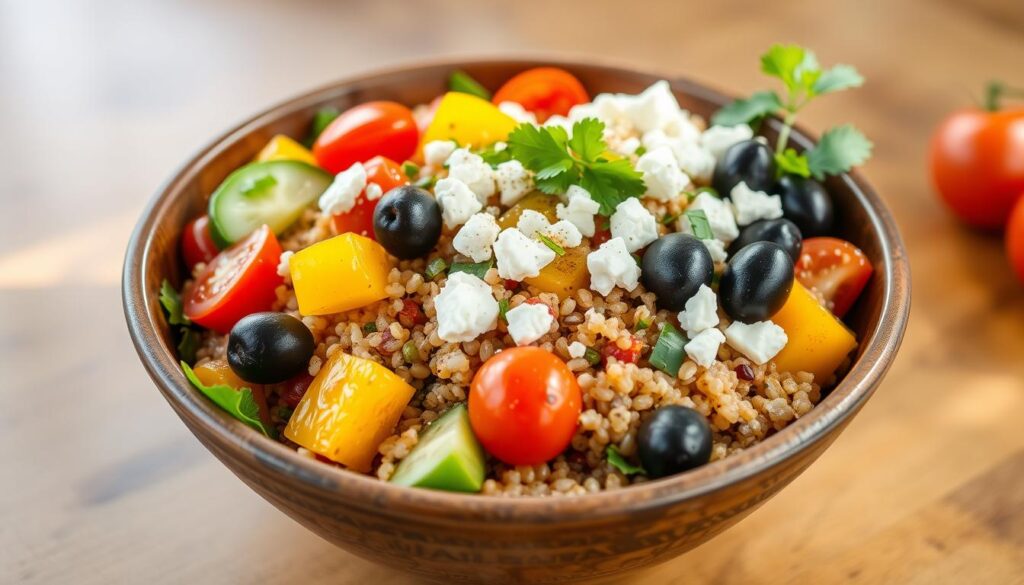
x=101, y=100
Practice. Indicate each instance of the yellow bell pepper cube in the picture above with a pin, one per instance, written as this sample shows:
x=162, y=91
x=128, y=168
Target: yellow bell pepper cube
x=340, y=274
x=565, y=275
x=818, y=341
x=351, y=406
x=468, y=120
x=281, y=147
x=536, y=201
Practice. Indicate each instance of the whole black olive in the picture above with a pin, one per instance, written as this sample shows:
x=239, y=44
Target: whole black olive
x=674, y=267
x=673, y=439
x=407, y=222
x=267, y=348
x=756, y=283
x=806, y=203
x=749, y=162
x=780, y=231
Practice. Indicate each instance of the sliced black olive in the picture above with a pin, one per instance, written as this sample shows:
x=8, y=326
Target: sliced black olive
x=673, y=439
x=267, y=348
x=756, y=282
x=749, y=162
x=779, y=231
x=674, y=267
x=806, y=203
x=407, y=222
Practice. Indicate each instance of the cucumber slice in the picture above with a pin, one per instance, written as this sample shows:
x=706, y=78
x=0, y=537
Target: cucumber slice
x=448, y=456
x=273, y=193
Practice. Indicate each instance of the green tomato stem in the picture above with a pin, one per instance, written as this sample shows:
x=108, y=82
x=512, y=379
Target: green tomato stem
x=995, y=91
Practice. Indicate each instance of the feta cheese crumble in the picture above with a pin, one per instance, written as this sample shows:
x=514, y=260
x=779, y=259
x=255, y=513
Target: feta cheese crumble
x=759, y=341
x=517, y=112
x=634, y=224
x=514, y=181
x=703, y=348
x=662, y=175
x=284, y=264
x=719, y=214
x=518, y=256
x=477, y=237
x=751, y=205
x=458, y=203
x=436, y=152
x=465, y=308
x=577, y=350
x=473, y=171
x=718, y=139
x=374, y=191
x=717, y=250
x=580, y=210
x=529, y=322
x=700, y=312
x=611, y=266
x=695, y=161
x=340, y=196
x=564, y=233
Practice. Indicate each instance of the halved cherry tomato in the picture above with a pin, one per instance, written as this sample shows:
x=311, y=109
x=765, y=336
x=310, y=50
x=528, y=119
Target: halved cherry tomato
x=365, y=131
x=834, y=269
x=240, y=281
x=524, y=404
x=1015, y=238
x=388, y=175
x=545, y=91
x=196, y=242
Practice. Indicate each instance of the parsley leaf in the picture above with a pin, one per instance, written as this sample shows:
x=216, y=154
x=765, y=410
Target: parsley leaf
x=188, y=345
x=757, y=106
x=171, y=301
x=461, y=82
x=790, y=63
x=838, y=78
x=477, y=269
x=839, y=150
x=588, y=139
x=793, y=163
x=494, y=156
x=239, y=403
x=616, y=460
x=699, y=224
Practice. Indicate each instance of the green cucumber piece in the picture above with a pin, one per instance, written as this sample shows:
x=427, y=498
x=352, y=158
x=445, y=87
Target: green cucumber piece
x=447, y=457
x=273, y=193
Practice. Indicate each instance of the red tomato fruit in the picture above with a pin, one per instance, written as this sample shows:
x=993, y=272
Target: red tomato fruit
x=365, y=131
x=238, y=282
x=836, y=269
x=1015, y=238
x=196, y=242
x=545, y=91
x=386, y=173
x=524, y=404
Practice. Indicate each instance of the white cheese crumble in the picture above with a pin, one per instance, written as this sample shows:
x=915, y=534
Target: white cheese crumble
x=514, y=181
x=662, y=175
x=519, y=257
x=634, y=224
x=577, y=350
x=695, y=161
x=458, y=203
x=700, y=312
x=465, y=308
x=751, y=205
x=655, y=108
x=531, y=221
x=718, y=139
x=340, y=196
x=717, y=250
x=473, y=171
x=436, y=152
x=611, y=266
x=528, y=322
x=374, y=191
x=517, y=112
x=562, y=232
x=759, y=341
x=703, y=348
x=477, y=237
x=719, y=214
x=284, y=264
x=580, y=210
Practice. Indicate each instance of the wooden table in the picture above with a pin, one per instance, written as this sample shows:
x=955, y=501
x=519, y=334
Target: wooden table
x=99, y=101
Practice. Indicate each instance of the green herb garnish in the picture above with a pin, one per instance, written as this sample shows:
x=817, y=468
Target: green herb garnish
x=239, y=403
x=426, y=182
x=171, y=301
x=699, y=224
x=410, y=169
x=370, y=327
x=503, y=309
x=592, y=356
x=668, y=352
x=435, y=267
x=640, y=150
x=321, y=119
x=461, y=82
x=188, y=345
x=494, y=156
x=642, y=324
x=477, y=269
x=558, y=250
x=616, y=460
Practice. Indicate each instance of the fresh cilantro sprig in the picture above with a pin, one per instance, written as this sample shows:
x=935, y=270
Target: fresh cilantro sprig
x=559, y=162
x=188, y=343
x=839, y=149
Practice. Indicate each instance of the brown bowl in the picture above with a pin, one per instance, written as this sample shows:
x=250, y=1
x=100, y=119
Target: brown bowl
x=465, y=538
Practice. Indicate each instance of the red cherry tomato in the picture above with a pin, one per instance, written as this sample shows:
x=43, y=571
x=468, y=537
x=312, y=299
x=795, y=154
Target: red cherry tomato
x=240, y=281
x=627, y=356
x=386, y=173
x=524, y=405
x=365, y=131
x=602, y=232
x=1015, y=238
x=976, y=164
x=836, y=269
x=545, y=91
x=196, y=242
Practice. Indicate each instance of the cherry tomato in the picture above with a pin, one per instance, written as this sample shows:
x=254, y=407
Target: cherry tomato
x=196, y=242
x=627, y=356
x=545, y=91
x=835, y=269
x=388, y=175
x=602, y=232
x=365, y=131
x=1015, y=238
x=524, y=404
x=976, y=164
x=238, y=282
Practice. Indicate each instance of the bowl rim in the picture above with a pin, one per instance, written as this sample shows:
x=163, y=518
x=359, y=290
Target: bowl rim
x=238, y=440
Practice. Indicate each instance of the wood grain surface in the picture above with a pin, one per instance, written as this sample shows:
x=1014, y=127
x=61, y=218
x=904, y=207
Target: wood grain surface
x=101, y=100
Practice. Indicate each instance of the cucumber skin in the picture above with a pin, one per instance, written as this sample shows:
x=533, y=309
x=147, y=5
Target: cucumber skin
x=450, y=473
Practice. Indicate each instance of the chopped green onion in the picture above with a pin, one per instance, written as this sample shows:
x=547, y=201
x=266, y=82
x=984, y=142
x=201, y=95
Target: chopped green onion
x=435, y=267
x=477, y=269
x=669, y=218
x=592, y=356
x=699, y=224
x=503, y=309
x=668, y=350
x=558, y=250
x=616, y=460
x=321, y=120
x=640, y=150
x=461, y=82
x=410, y=169
x=410, y=353
x=370, y=327
x=642, y=324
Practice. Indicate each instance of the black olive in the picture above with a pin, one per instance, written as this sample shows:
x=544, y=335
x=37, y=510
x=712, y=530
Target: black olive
x=674, y=267
x=749, y=162
x=267, y=348
x=806, y=203
x=407, y=222
x=756, y=282
x=780, y=231
x=673, y=439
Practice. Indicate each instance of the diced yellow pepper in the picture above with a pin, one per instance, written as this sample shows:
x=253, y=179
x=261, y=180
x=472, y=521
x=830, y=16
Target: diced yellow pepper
x=351, y=406
x=818, y=341
x=468, y=120
x=216, y=372
x=536, y=201
x=281, y=147
x=565, y=275
x=340, y=274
